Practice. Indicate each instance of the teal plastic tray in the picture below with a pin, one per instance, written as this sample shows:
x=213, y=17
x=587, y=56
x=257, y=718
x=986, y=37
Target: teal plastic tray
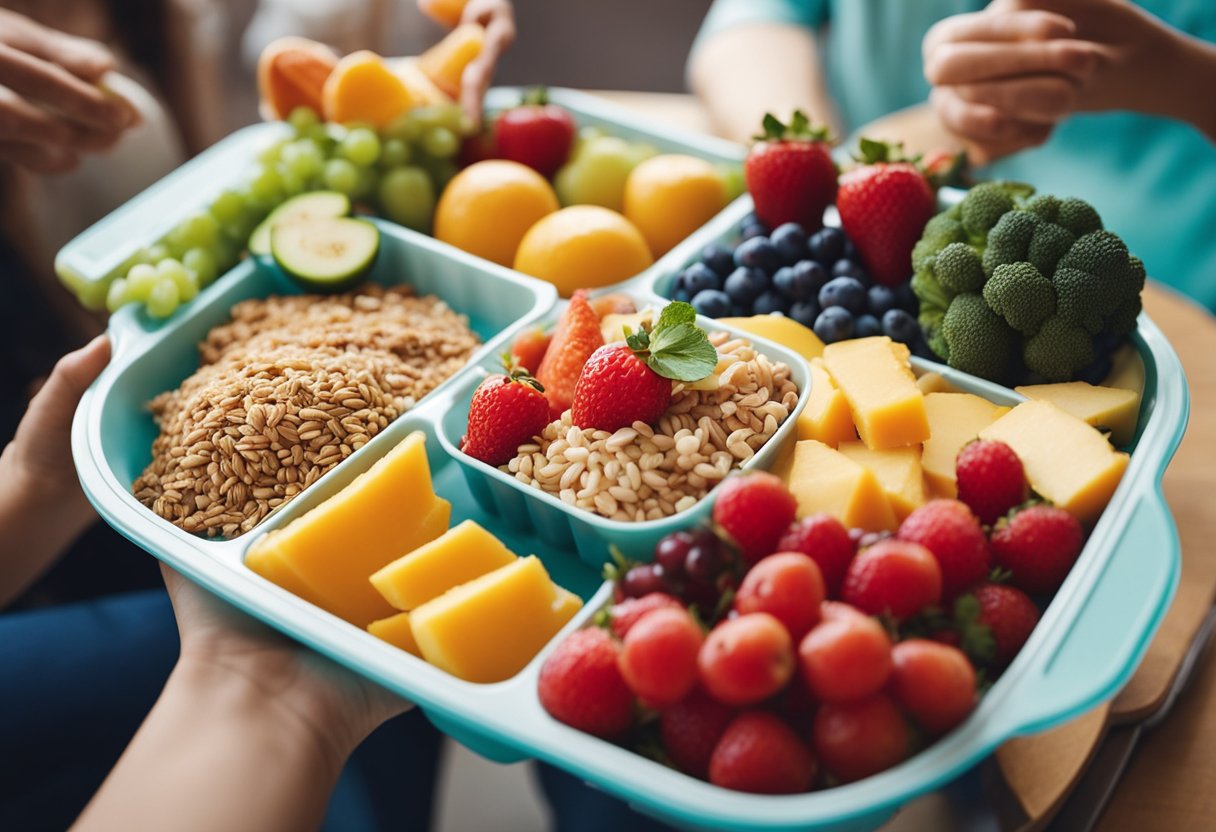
x=1089, y=641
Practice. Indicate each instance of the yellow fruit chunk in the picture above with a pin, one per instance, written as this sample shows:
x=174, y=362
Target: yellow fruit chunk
x=462, y=553
x=582, y=247
x=292, y=73
x=488, y=629
x=826, y=417
x=785, y=331
x=333, y=549
x=363, y=88
x=444, y=62
x=268, y=562
x=396, y=630
x=566, y=605
x=488, y=207
x=670, y=196
x=823, y=479
x=934, y=383
x=445, y=12
x=1066, y=460
x=1110, y=408
x=888, y=408
x=898, y=472
x=1127, y=370
x=612, y=325
x=421, y=88
x=954, y=420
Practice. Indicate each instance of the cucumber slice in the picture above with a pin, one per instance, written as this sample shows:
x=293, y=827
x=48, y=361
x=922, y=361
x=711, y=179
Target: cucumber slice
x=325, y=255
x=311, y=206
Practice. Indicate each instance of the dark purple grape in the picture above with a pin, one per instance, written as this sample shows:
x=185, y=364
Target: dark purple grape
x=881, y=299
x=898, y=325
x=866, y=326
x=805, y=312
x=745, y=284
x=698, y=277
x=826, y=245
x=719, y=258
x=672, y=551
x=834, y=324
x=790, y=240
x=643, y=580
x=770, y=302
x=703, y=563
x=845, y=292
x=711, y=303
x=758, y=253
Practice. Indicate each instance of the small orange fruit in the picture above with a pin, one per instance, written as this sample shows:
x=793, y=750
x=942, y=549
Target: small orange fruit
x=362, y=88
x=488, y=207
x=292, y=73
x=670, y=196
x=583, y=247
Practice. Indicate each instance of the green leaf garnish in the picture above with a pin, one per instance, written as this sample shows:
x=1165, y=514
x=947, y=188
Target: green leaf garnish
x=682, y=352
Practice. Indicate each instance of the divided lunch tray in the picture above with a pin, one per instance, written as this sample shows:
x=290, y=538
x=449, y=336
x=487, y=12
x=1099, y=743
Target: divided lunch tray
x=1089, y=641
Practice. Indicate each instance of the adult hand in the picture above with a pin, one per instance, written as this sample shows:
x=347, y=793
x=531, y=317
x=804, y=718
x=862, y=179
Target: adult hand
x=51, y=106
x=327, y=701
x=498, y=18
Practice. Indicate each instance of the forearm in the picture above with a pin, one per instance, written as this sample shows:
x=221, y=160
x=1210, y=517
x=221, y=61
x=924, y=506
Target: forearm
x=1192, y=86
x=745, y=71
x=215, y=753
x=917, y=128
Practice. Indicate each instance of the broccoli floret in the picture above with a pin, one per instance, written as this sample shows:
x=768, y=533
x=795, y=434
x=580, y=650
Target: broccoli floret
x=1009, y=240
x=1078, y=216
x=1095, y=277
x=1059, y=350
x=1020, y=294
x=1048, y=244
x=1123, y=320
x=977, y=340
x=931, y=325
x=1045, y=206
x=983, y=206
x=958, y=269
x=939, y=232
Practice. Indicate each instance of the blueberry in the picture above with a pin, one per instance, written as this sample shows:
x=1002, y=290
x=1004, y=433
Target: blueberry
x=850, y=250
x=769, y=302
x=906, y=299
x=851, y=268
x=790, y=241
x=826, y=245
x=745, y=285
x=719, y=258
x=681, y=294
x=738, y=311
x=808, y=278
x=845, y=292
x=834, y=324
x=712, y=303
x=865, y=326
x=698, y=277
x=898, y=325
x=760, y=253
x=881, y=299
x=805, y=312
x=753, y=230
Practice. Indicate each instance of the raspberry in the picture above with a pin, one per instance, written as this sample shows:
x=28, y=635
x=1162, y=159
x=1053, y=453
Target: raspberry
x=949, y=530
x=760, y=753
x=1038, y=545
x=893, y=576
x=690, y=730
x=581, y=685
x=1010, y=616
x=755, y=510
x=827, y=542
x=991, y=479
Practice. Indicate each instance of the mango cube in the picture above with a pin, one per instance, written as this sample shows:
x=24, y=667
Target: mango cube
x=1113, y=408
x=823, y=479
x=396, y=630
x=488, y=629
x=361, y=87
x=462, y=553
x=888, y=408
x=826, y=417
x=1066, y=460
x=898, y=472
x=954, y=420
x=782, y=330
x=444, y=63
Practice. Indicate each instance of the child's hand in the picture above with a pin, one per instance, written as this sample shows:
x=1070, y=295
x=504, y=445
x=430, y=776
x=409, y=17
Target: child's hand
x=51, y=107
x=337, y=706
x=498, y=18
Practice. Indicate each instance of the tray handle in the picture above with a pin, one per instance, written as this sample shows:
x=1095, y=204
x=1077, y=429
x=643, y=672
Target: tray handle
x=1111, y=628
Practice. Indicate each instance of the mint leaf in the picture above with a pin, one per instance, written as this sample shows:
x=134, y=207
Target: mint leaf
x=676, y=312
x=682, y=352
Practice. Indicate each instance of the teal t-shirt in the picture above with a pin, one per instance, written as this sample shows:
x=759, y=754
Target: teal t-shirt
x=1152, y=179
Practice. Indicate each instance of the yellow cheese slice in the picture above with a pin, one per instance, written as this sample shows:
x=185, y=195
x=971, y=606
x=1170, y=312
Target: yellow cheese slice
x=934, y=383
x=1127, y=370
x=396, y=630
x=1114, y=408
x=888, y=408
x=826, y=417
x=824, y=480
x=954, y=420
x=898, y=472
x=785, y=331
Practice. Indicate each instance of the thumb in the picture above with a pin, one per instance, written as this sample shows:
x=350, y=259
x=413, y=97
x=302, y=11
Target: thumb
x=52, y=409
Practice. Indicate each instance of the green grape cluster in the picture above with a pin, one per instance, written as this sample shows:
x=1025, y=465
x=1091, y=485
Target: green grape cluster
x=396, y=172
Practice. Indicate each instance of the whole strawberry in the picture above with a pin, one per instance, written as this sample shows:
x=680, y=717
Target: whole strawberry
x=1009, y=615
x=755, y=509
x=529, y=348
x=507, y=410
x=991, y=479
x=631, y=382
x=1038, y=545
x=949, y=530
x=581, y=685
x=760, y=753
x=790, y=173
x=896, y=577
x=884, y=205
x=691, y=728
x=624, y=614
x=827, y=542
x=575, y=337
x=535, y=133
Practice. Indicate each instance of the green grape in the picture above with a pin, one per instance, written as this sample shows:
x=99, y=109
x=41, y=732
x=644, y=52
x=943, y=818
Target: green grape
x=441, y=171
x=116, y=294
x=293, y=183
x=302, y=158
x=361, y=146
x=156, y=253
x=341, y=175
x=407, y=197
x=228, y=207
x=227, y=252
x=395, y=153
x=466, y=127
x=404, y=127
x=439, y=143
x=319, y=135
x=302, y=118
x=437, y=115
x=164, y=298
x=202, y=262
x=197, y=230
x=186, y=280
x=267, y=186
x=368, y=180
x=732, y=180
x=271, y=153
x=140, y=280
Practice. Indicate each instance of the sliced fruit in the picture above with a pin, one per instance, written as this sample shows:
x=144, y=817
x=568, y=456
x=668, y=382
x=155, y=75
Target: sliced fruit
x=292, y=73
x=445, y=62
x=311, y=206
x=327, y=255
x=464, y=552
x=445, y=12
x=397, y=632
x=419, y=84
x=362, y=88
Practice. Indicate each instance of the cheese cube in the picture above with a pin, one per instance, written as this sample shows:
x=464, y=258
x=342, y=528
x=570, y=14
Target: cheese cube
x=487, y=630
x=954, y=420
x=1127, y=370
x=934, y=383
x=826, y=417
x=464, y=552
x=1066, y=460
x=1113, y=408
x=888, y=408
x=898, y=472
x=824, y=480
x=785, y=331
x=396, y=631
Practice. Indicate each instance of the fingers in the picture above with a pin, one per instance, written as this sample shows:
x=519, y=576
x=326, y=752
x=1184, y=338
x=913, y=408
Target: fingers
x=499, y=21
x=59, y=90
x=44, y=159
x=1041, y=99
x=988, y=132
x=971, y=62
x=83, y=58
x=51, y=411
x=1006, y=27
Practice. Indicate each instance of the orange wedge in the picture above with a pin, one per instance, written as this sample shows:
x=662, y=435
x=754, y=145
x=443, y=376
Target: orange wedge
x=446, y=12
x=292, y=73
x=363, y=88
x=444, y=62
